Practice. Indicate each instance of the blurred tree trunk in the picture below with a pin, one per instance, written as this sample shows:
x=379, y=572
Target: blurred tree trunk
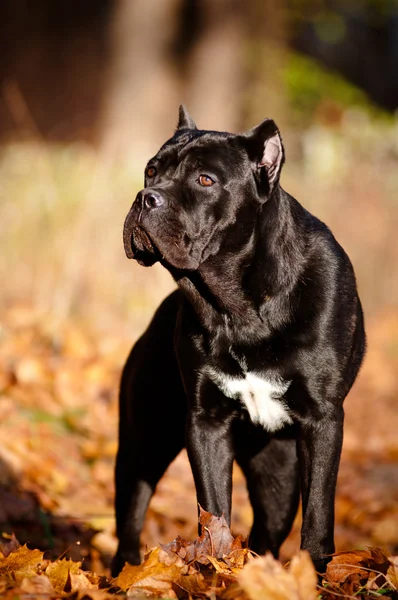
x=215, y=75
x=267, y=41
x=142, y=86
x=202, y=52
x=51, y=67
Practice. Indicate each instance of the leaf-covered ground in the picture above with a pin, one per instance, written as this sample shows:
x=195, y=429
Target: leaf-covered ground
x=58, y=419
x=215, y=565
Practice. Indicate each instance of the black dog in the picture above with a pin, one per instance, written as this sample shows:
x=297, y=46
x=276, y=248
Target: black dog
x=252, y=357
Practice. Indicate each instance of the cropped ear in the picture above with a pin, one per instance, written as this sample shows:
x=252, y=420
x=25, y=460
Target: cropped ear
x=265, y=149
x=185, y=120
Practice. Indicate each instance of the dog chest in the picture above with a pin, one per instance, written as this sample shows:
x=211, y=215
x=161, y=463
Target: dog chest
x=262, y=397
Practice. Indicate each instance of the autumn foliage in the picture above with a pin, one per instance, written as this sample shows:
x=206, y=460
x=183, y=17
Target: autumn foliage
x=215, y=565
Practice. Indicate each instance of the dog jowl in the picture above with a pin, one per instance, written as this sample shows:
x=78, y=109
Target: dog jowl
x=250, y=359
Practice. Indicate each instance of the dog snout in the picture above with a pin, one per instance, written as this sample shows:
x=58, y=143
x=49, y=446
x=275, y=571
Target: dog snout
x=153, y=200
x=148, y=200
x=136, y=226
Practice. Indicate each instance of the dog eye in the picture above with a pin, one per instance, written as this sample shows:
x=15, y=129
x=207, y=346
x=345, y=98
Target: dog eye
x=150, y=172
x=205, y=180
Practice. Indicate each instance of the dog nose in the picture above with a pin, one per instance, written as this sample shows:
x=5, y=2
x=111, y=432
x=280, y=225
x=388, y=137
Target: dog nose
x=153, y=200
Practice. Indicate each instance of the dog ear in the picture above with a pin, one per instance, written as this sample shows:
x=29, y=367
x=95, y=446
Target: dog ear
x=185, y=120
x=265, y=148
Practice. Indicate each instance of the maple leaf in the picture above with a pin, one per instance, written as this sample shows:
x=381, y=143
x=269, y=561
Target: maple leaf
x=237, y=558
x=21, y=563
x=194, y=584
x=358, y=568
x=157, y=575
x=216, y=548
x=61, y=572
x=264, y=578
x=230, y=565
x=216, y=538
x=215, y=541
x=221, y=567
x=78, y=581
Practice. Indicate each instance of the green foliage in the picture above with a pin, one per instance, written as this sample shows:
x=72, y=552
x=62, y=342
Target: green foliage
x=308, y=87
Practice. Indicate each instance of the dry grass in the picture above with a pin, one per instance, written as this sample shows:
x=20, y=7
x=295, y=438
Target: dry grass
x=62, y=212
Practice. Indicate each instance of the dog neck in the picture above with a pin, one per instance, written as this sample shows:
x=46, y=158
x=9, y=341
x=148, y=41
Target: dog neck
x=234, y=292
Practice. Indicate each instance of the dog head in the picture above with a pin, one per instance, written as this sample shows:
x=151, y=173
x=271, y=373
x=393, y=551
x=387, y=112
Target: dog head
x=203, y=191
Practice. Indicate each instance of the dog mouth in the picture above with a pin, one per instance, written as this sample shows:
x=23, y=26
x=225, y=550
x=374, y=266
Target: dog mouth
x=175, y=249
x=138, y=245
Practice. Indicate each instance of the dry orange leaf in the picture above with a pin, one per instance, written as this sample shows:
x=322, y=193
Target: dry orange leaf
x=194, y=584
x=392, y=572
x=238, y=558
x=216, y=534
x=6, y=547
x=160, y=569
x=232, y=564
x=264, y=578
x=221, y=567
x=357, y=566
x=38, y=585
x=93, y=594
x=21, y=563
x=216, y=540
x=79, y=581
x=60, y=573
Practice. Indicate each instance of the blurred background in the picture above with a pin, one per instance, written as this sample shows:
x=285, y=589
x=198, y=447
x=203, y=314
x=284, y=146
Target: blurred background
x=88, y=92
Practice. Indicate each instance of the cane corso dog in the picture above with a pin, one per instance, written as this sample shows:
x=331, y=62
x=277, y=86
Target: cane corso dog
x=251, y=357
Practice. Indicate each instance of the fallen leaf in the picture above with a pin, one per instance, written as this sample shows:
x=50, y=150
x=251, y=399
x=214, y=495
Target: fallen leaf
x=11, y=545
x=156, y=575
x=264, y=578
x=234, y=592
x=37, y=585
x=21, y=563
x=185, y=549
x=93, y=595
x=78, y=581
x=392, y=572
x=215, y=540
x=221, y=567
x=3, y=587
x=215, y=534
x=238, y=558
x=193, y=584
x=60, y=573
x=358, y=567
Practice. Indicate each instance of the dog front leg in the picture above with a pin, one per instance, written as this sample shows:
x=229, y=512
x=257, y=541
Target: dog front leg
x=319, y=449
x=210, y=453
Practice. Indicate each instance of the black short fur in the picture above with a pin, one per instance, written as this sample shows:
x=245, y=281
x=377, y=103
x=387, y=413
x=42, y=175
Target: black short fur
x=264, y=287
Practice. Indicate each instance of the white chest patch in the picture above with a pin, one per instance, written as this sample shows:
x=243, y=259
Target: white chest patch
x=262, y=397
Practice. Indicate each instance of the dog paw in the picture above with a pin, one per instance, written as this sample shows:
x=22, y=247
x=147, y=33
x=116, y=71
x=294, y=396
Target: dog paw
x=320, y=564
x=120, y=559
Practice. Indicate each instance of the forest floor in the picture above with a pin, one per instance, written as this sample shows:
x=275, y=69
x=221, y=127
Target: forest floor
x=58, y=432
